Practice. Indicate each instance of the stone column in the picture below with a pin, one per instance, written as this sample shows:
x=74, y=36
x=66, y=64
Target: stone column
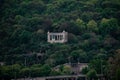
x=48, y=37
x=51, y=37
x=57, y=37
x=63, y=37
x=66, y=36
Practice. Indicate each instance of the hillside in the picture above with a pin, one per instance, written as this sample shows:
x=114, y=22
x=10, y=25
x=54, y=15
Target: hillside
x=93, y=27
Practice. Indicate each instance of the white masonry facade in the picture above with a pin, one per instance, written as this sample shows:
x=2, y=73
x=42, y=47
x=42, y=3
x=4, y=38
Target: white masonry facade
x=57, y=37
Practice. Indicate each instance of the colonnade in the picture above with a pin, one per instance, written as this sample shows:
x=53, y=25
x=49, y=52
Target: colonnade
x=57, y=37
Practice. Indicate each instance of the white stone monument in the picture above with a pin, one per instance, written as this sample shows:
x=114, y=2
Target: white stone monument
x=57, y=37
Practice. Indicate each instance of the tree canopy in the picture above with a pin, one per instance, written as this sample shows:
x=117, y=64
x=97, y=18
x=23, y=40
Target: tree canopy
x=93, y=34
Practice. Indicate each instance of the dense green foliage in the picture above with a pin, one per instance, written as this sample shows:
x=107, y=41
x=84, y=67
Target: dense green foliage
x=93, y=27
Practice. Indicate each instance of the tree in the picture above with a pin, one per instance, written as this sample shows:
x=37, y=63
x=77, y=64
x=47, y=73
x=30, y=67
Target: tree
x=99, y=65
x=117, y=76
x=10, y=71
x=108, y=26
x=15, y=69
x=72, y=38
x=110, y=42
x=81, y=25
x=114, y=65
x=55, y=73
x=67, y=70
x=24, y=72
x=33, y=6
x=85, y=70
x=100, y=56
x=35, y=72
x=92, y=74
x=92, y=26
x=86, y=16
x=5, y=70
x=45, y=70
x=78, y=55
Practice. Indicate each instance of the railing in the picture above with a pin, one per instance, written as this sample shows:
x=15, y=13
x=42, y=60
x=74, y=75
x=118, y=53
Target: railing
x=59, y=77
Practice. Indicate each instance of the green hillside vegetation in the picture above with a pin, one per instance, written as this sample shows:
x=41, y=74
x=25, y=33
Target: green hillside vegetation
x=94, y=36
